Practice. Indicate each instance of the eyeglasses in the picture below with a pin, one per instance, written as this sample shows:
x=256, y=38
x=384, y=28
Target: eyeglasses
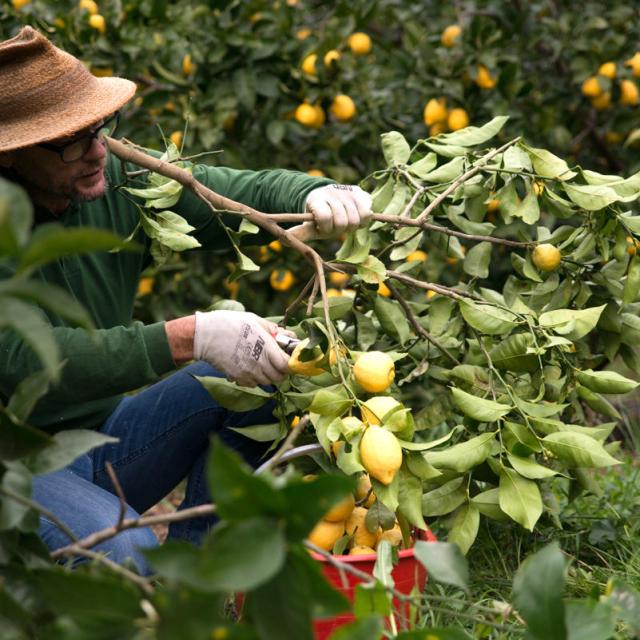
x=76, y=149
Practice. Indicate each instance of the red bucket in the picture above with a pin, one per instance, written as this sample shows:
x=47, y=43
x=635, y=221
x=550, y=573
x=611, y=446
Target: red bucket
x=407, y=574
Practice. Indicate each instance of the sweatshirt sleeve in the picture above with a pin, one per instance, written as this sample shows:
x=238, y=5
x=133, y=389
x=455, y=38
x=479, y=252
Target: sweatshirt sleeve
x=97, y=365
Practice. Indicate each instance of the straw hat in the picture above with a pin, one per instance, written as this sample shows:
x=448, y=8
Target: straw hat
x=46, y=93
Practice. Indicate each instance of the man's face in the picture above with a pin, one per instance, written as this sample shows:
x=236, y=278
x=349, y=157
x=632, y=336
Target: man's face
x=54, y=183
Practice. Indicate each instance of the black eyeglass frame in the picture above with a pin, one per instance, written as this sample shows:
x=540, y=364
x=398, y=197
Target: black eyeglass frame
x=85, y=142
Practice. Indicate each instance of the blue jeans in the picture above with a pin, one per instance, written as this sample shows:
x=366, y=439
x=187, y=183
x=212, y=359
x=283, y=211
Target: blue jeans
x=164, y=434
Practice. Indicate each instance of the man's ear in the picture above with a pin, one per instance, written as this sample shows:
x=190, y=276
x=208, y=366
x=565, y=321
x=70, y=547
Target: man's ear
x=6, y=160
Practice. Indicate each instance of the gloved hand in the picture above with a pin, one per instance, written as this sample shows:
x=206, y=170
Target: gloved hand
x=336, y=208
x=240, y=345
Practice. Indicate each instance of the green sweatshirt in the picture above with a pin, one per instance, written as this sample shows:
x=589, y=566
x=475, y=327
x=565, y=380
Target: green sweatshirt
x=123, y=355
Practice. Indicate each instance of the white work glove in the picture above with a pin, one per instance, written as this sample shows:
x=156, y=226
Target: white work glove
x=241, y=345
x=336, y=209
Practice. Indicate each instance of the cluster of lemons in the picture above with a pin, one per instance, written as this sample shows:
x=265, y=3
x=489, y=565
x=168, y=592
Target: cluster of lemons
x=598, y=87
x=342, y=107
x=96, y=20
x=380, y=451
x=436, y=115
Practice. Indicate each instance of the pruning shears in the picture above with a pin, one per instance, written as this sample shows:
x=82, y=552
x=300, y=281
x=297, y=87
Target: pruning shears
x=286, y=343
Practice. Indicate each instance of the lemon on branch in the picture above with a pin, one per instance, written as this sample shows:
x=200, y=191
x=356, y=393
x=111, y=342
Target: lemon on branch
x=97, y=22
x=435, y=111
x=281, y=279
x=309, y=64
x=380, y=453
x=376, y=408
x=591, y=87
x=628, y=93
x=307, y=367
x=546, y=257
x=359, y=43
x=374, y=371
x=450, y=35
x=88, y=5
x=602, y=102
x=608, y=70
x=458, y=119
x=330, y=57
x=343, y=108
x=484, y=79
x=634, y=63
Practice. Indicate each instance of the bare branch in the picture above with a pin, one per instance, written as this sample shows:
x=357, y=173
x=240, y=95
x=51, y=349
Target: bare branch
x=286, y=446
x=118, y=489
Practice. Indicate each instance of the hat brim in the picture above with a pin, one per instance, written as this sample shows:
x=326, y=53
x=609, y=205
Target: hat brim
x=91, y=102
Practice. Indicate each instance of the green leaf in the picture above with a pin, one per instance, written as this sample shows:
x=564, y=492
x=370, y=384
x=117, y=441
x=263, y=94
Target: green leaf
x=529, y=468
x=520, y=438
x=589, y=620
x=53, y=241
x=574, y=324
x=410, y=498
x=444, y=562
x=218, y=567
x=420, y=467
x=66, y=447
x=237, y=493
x=446, y=172
x=365, y=627
x=421, y=168
x=520, y=498
x=465, y=526
x=395, y=148
x=260, y=432
x=166, y=231
x=477, y=260
x=356, y=247
x=372, y=270
x=14, y=514
x=627, y=605
x=479, y=408
x=444, y=499
x=232, y=396
x=529, y=209
x=245, y=263
x=16, y=217
x=472, y=136
x=538, y=587
x=392, y=319
x=591, y=197
x=578, y=450
x=487, y=318
x=607, y=382
x=384, y=565
x=333, y=401
x=488, y=504
x=512, y=354
x=547, y=165
x=18, y=440
x=27, y=394
x=463, y=456
x=339, y=307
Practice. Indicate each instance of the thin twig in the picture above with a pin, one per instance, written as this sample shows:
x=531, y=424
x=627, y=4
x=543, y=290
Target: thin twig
x=288, y=443
x=27, y=502
x=118, y=489
x=456, y=294
x=475, y=168
x=135, y=523
x=421, y=331
x=139, y=581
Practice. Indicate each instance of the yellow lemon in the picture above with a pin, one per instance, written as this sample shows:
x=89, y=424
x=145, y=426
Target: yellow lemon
x=281, y=279
x=538, y=187
x=493, y=205
x=633, y=245
x=628, y=92
x=330, y=57
x=320, y=116
x=608, y=70
x=18, y=4
x=308, y=367
x=232, y=287
x=275, y=245
x=546, y=257
x=634, y=63
x=383, y=290
x=336, y=447
x=450, y=35
x=338, y=279
x=309, y=64
x=393, y=535
x=458, y=119
x=484, y=79
x=342, y=510
x=361, y=550
x=176, y=138
x=359, y=43
x=431, y=294
x=88, y=5
x=294, y=422
x=380, y=453
x=365, y=490
x=303, y=34
x=145, y=286
x=326, y=534
x=591, y=87
x=418, y=255
x=356, y=527
x=435, y=111
x=98, y=23
x=305, y=114
x=316, y=173
x=374, y=371
x=187, y=65
x=602, y=102
x=334, y=293
x=437, y=128
x=376, y=408
x=343, y=108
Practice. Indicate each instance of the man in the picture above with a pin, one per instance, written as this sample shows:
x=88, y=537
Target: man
x=53, y=115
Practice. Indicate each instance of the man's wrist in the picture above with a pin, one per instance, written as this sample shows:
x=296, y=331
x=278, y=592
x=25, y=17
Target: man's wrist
x=180, y=337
